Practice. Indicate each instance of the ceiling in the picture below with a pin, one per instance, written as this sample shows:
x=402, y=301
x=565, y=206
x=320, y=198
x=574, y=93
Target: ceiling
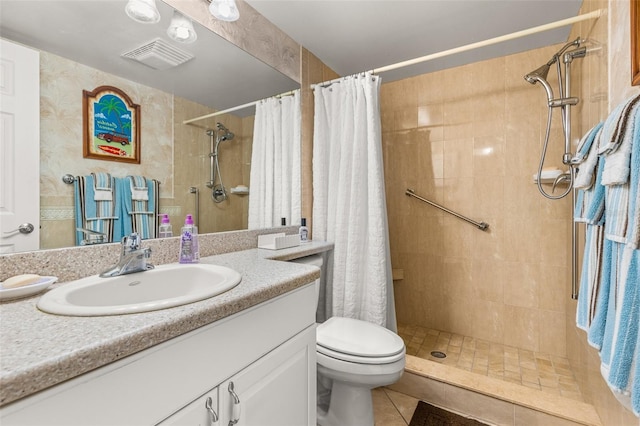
x=351, y=36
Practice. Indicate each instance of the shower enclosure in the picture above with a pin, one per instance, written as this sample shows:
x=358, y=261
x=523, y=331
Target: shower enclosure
x=469, y=138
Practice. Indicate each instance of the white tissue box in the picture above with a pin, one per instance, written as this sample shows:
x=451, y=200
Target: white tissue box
x=278, y=241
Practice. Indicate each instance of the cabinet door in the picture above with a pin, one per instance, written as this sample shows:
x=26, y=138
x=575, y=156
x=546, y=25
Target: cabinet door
x=201, y=412
x=277, y=390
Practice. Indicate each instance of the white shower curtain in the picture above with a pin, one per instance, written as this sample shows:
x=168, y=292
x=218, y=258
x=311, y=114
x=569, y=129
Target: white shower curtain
x=275, y=188
x=349, y=206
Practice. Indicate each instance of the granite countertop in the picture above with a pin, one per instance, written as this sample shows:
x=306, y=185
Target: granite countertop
x=39, y=350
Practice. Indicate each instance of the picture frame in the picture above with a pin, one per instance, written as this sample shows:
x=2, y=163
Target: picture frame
x=635, y=42
x=111, y=125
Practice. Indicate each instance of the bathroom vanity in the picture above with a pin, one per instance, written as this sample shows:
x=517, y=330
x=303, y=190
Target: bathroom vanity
x=243, y=354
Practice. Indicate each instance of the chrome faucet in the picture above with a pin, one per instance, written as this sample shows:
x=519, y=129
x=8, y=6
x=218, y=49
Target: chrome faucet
x=133, y=258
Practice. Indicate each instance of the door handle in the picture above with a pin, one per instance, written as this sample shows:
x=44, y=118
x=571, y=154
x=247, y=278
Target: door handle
x=25, y=228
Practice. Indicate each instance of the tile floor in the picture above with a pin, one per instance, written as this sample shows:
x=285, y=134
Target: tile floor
x=392, y=408
x=547, y=373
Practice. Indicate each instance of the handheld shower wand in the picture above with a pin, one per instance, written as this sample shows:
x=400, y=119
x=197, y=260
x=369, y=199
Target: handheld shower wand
x=219, y=192
x=564, y=102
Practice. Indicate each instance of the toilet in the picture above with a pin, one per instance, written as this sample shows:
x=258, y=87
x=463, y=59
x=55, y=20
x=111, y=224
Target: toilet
x=353, y=356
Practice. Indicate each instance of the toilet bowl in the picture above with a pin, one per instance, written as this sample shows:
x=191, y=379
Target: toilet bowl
x=354, y=356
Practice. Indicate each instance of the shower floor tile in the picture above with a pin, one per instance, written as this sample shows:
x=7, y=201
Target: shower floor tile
x=546, y=373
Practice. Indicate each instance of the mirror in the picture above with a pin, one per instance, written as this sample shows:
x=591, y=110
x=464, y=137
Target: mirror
x=80, y=44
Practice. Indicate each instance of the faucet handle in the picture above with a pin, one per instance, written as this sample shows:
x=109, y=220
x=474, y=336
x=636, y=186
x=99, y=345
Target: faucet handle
x=131, y=242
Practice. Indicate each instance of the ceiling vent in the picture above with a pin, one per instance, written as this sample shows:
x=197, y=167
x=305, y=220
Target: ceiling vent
x=159, y=55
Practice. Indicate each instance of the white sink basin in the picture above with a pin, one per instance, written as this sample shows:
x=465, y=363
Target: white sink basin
x=164, y=287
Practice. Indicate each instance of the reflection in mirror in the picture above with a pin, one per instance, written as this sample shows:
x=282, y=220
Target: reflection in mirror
x=81, y=46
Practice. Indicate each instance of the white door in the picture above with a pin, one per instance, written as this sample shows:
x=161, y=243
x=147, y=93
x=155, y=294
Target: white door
x=19, y=148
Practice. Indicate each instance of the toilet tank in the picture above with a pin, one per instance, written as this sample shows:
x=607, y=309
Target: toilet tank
x=314, y=260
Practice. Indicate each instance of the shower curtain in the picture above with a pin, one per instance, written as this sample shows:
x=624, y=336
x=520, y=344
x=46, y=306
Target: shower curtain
x=349, y=207
x=275, y=163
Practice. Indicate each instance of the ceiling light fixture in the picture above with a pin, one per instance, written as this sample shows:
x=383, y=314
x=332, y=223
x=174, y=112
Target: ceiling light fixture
x=224, y=10
x=181, y=29
x=143, y=11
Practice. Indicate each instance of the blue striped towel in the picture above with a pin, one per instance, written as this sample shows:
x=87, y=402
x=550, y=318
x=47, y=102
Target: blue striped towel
x=617, y=165
x=633, y=215
x=589, y=155
x=621, y=335
x=98, y=216
x=590, y=278
x=585, y=144
x=103, y=186
x=139, y=215
x=617, y=212
x=616, y=125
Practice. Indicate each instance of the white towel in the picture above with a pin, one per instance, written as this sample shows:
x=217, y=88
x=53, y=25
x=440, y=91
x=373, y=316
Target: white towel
x=139, y=189
x=102, y=187
x=615, y=125
x=586, y=170
x=617, y=163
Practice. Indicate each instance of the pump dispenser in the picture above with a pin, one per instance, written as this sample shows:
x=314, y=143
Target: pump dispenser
x=165, y=227
x=189, y=242
x=303, y=231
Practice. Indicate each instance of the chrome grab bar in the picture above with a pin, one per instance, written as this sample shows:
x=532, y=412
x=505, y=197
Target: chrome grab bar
x=483, y=226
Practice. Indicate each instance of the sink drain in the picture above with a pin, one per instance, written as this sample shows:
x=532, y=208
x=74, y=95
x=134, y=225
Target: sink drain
x=438, y=354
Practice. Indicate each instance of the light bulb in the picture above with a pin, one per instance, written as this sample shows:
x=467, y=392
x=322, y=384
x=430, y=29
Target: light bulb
x=181, y=29
x=143, y=11
x=224, y=10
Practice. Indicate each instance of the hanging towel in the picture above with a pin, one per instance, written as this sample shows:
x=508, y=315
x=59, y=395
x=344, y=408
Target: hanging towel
x=616, y=125
x=94, y=215
x=139, y=189
x=590, y=203
x=139, y=215
x=587, y=168
x=596, y=331
x=590, y=278
x=586, y=143
x=633, y=214
x=617, y=166
x=102, y=187
x=617, y=212
x=619, y=363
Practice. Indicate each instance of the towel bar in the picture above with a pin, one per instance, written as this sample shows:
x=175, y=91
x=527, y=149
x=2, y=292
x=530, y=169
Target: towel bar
x=483, y=226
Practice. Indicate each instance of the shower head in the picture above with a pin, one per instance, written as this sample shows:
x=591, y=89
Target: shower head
x=223, y=133
x=539, y=74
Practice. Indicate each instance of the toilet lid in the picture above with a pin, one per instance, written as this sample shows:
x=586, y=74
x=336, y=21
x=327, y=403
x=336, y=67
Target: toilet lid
x=360, y=338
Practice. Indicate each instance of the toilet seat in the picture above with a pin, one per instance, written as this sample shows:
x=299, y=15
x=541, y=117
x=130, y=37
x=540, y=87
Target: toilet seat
x=358, y=341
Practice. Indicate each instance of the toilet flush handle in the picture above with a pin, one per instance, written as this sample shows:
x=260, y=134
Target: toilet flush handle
x=235, y=409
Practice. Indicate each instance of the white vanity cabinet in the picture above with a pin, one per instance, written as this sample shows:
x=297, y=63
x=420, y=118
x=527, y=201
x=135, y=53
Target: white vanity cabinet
x=267, y=393
x=267, y=352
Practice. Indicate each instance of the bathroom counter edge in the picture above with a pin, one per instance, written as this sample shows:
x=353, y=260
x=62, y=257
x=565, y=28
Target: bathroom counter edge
x=39, y=350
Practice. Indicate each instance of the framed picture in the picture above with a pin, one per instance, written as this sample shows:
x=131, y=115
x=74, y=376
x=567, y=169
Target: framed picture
x=635, y=42
x=111, y=125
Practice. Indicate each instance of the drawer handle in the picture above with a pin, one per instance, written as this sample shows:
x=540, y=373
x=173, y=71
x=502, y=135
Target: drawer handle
x=235, y=410
x=212, y=413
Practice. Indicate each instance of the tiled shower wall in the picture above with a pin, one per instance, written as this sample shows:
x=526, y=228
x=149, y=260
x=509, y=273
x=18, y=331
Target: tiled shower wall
x=469, y=138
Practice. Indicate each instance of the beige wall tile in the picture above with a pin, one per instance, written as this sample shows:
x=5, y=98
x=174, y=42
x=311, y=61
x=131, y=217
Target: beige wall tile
x=528, y=417
x=479, y=406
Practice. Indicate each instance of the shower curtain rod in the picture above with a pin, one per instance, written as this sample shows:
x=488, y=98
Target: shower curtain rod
x=533, y=30
x=236, y=108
